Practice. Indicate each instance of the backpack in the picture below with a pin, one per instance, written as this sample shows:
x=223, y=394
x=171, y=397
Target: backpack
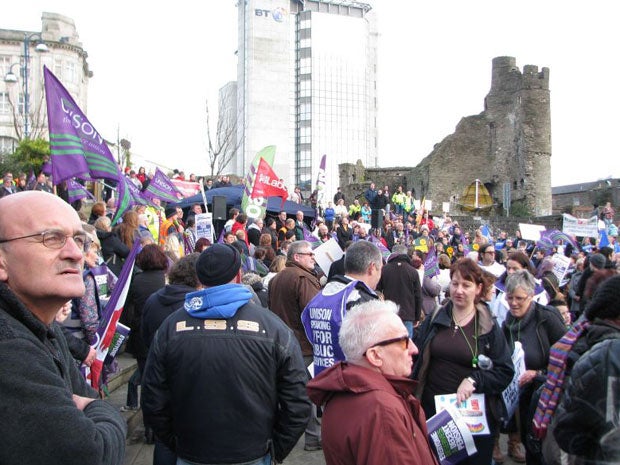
x=322, y=319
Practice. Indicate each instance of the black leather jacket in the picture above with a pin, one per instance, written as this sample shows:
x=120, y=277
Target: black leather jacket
x=587, y=417
x=226, y=390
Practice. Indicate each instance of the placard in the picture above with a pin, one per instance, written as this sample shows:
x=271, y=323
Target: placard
x=510, y=395
x=472, y=411
x=450, y=437
x=327, y=253
x=204, y=226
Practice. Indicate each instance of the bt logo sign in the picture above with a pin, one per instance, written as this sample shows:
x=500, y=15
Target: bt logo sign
x=277, y=14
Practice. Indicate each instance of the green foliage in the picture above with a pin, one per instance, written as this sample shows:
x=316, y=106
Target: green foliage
x=28, y=155
x=520, y=209
x=602, y=196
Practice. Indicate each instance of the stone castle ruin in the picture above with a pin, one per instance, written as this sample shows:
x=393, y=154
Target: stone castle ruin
x=507, y=147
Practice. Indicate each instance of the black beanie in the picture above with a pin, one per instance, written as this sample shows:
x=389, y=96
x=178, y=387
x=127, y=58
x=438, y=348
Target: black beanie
x=604, y=302
x=169, y=211
x=218, y=264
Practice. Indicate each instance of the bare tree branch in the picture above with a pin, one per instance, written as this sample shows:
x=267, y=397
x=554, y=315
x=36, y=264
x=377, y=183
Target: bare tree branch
x=222, y=147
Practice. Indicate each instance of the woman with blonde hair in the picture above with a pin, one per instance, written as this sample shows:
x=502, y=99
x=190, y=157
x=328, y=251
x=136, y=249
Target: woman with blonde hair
x=277, y=265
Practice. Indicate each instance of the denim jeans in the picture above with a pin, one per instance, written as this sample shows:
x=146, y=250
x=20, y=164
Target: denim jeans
x=162, y=455
x=410, y=329
x=266, y=460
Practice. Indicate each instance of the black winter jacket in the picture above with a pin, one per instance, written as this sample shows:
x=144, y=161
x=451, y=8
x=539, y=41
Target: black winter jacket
x=587, y=417
x=491, y=342
x=226, y=391
x=400, y=282
x=160, y=306
x=113, y=250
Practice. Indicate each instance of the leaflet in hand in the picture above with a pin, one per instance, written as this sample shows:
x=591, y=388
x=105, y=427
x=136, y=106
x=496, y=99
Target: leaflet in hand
x=472, y=410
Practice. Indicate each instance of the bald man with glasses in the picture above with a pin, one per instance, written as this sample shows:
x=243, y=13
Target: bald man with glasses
x=51, y=415
x=369, y=413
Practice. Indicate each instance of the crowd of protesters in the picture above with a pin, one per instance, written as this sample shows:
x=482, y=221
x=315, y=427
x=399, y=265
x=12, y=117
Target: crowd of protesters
x=488, y=288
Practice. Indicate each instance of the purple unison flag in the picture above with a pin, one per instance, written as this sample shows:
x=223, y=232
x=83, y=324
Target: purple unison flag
x=111, y=314
x=133, y=197
x=546, y=240
x=137, y=198
x=385, y=252
x=77, y=149
x=431, y=264
x=308, y=236
x=75, y=191
x=162, y=188
x=320, y=179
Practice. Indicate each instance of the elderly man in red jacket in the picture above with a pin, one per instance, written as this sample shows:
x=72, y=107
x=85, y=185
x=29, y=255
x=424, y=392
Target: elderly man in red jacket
x=370, y=415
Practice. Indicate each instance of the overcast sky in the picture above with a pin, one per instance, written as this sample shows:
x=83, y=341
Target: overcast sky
x=155, y=67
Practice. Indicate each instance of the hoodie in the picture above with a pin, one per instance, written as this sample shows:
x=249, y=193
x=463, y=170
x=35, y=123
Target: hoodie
x=370, y=418
x=159, y=305
x=219, y=302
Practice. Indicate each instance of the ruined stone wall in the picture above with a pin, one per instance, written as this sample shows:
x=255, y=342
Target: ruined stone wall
x=509, y=142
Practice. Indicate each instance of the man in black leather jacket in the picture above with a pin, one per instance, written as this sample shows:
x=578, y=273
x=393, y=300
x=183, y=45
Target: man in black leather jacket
x=225, y=380
x=587, y=419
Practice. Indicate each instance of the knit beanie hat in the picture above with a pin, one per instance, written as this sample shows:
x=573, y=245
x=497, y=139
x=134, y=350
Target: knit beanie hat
x=598, y=260
x=604, y=302
x=169, y=211
x=218, y=264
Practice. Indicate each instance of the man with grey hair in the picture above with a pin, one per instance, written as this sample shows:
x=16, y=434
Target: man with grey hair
x=289, y=292
x=369, y=413
x=323, y=315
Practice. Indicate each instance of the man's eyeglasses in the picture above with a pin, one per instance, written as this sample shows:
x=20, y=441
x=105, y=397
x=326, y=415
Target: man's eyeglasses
x=517, y=299
x=311, y=254
x=403, y=340
x=54, y=239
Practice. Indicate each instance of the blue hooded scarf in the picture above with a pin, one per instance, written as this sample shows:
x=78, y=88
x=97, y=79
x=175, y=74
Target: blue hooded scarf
x=217, y=302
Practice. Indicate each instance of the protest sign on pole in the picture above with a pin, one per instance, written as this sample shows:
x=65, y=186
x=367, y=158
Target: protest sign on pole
x=531, y=232
x=204, y=226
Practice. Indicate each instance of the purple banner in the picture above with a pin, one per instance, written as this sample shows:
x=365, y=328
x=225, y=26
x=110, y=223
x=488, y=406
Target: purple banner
x=75, y=191
x=162, y=188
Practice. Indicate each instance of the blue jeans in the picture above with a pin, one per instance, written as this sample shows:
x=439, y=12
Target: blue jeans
x=162, y=455
x=410, y=329
x=266, y=460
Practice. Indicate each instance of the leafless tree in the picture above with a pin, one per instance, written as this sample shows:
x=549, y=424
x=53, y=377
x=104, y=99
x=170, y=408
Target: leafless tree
x=36, y=117
x=224, y=145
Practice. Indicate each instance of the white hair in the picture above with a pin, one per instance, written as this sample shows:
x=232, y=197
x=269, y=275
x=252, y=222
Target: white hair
x=363, y=326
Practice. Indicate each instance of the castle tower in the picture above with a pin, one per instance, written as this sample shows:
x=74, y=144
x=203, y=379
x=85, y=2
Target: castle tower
x=518, y=107
x=509, y=143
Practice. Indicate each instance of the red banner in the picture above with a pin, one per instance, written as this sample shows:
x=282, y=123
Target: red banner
x=267, y=183
x=186, y=188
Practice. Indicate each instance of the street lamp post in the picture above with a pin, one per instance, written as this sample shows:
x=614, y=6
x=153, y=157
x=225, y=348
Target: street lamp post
x=10, y=77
